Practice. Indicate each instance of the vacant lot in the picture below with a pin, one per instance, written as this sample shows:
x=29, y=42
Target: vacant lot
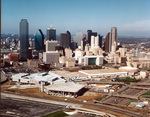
x=25, y=108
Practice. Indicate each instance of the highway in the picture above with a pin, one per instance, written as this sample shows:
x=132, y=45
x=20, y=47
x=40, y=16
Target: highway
x=74, y=104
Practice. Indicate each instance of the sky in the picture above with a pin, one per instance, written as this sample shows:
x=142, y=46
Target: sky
x=131, y=17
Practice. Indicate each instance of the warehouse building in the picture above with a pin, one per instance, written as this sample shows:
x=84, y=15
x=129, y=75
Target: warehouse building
x=37, y=78
x=69, y=89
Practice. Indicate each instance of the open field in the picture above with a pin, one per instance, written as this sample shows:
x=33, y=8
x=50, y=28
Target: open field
x=25, y=108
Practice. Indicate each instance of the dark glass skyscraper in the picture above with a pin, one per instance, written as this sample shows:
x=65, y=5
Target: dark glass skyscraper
x=24, y=39
x=65, y=39
x=51, y=33
x=39, y=40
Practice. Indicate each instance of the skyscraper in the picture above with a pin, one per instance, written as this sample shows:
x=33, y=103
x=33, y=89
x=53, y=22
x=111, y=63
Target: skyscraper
x=24, y=39
x=39, y=40
x=51, y=33
x=114, y=38
x=65, y=39
x=108, y=42
x=89, y=34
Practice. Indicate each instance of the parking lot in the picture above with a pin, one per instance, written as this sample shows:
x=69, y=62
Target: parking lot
x=133, y=91
x=117, y=100
x=25, y=108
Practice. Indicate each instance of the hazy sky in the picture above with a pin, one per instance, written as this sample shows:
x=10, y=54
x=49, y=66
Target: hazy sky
x=131, y=17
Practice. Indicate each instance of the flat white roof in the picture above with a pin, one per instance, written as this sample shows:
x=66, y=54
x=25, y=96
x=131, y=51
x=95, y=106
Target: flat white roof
x=128, y=68
x=38, y=76
x=101, y=74
x=65, y=87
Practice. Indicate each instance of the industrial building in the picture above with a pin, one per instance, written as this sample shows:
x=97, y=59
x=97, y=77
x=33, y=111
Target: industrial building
x=70, y=90
x=51, y=83
x=37, y=78
x=102, y=73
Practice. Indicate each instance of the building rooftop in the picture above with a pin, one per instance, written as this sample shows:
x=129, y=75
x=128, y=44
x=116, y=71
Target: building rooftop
x=65, y=87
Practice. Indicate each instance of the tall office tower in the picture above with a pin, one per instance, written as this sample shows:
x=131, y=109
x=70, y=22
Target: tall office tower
x=24, y=39
x=51, y=33
x=74, y=45
x=114, y=38
x=94, y=42
x=108, y=42
x=39, y=40
x=82, y=44
x=69, y=36
x=65, y=40
x=97, y=41
x=100, y=41
x=89, y=34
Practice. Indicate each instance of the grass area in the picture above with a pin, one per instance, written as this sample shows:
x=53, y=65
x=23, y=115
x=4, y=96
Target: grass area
x=56, y=114
x=134, y=100
x=147, y=93
x=99, y=99
x=127, y=80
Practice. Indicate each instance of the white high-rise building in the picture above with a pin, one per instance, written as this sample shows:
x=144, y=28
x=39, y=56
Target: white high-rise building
x=94, y=42
x=97, y=42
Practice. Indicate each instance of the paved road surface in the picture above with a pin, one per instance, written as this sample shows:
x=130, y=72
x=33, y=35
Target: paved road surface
x=75, y=104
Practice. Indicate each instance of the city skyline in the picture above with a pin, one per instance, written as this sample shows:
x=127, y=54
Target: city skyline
x=132, y=18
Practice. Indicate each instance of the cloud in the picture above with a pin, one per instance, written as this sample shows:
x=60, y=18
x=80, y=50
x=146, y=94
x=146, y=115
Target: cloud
x=137, y=26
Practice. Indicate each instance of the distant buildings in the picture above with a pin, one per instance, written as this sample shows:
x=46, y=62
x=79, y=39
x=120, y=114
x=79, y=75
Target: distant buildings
x=24, y=39
x=39, y=40
x=51, y=33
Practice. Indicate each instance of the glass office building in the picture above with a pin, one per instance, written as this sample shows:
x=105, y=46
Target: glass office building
x=39, y=40
x=24, y=39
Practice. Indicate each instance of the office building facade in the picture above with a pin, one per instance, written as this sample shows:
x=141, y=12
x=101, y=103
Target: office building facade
x=39, y=40
x=89, y=34
x=65, y=40
x=108, y=42
x=24, y=39
x=114, y=38
x=51, y=33
x=51, y=45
